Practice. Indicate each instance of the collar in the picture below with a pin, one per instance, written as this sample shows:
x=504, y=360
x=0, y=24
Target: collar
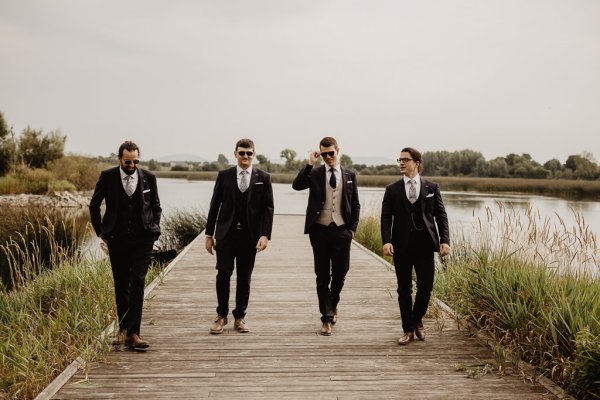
x=416, y=178
x=238, y=170
x=336, y=167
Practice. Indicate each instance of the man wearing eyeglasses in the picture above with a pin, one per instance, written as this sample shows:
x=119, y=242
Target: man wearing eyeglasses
x=129, y=228
x=414, y=226
x=331, y=219
x=238, y=226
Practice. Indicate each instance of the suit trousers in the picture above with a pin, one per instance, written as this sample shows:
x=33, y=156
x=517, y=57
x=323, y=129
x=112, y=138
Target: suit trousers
x=236, y=248
x=129, y=259
x=331, y=251
x=420, y=255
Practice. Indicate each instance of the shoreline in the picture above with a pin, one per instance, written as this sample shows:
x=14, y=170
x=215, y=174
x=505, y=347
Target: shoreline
x=55, y=199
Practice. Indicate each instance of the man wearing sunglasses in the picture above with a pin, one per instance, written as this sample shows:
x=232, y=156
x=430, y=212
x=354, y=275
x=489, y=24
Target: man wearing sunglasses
x=129, y=228
x=410, y=212
x=331, y=220
x=239, y=224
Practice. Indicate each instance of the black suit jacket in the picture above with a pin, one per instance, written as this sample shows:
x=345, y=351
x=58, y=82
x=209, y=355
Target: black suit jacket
x=108, y=189
x=259, y=208
x=314, y=179
x=395, y=215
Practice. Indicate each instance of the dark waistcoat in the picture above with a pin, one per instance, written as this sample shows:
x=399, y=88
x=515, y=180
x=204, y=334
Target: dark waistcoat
x=129, y=218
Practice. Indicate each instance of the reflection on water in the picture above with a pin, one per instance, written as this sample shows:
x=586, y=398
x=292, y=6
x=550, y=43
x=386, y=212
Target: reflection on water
x=463, y=208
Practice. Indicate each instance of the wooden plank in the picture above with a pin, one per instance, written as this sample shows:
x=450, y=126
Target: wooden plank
x=284, y=356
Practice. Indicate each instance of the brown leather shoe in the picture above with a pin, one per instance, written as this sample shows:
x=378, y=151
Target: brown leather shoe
x=335, y=316
x=217, y=327
x=240, y=326
x=420, y=331
x=326, y=329
x=406, y=338
x=135, y=342
x=119, y=338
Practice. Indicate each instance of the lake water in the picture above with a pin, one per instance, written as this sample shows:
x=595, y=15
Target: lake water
x=475, y=216
x=462, y=207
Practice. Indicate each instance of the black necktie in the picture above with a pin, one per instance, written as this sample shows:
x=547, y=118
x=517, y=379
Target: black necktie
x=332, y=181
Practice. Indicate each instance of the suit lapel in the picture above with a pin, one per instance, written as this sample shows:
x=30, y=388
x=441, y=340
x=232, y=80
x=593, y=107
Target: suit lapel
x=403, y=196
x=321, y=177
x=424, y=190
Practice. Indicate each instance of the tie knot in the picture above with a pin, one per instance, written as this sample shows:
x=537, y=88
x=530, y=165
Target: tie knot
x=243, y=172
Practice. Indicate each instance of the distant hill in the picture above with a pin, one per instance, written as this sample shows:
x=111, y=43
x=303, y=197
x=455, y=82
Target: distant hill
x=375, y=160
x=181, y=158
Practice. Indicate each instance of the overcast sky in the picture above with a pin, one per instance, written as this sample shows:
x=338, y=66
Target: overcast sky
x=194, y=76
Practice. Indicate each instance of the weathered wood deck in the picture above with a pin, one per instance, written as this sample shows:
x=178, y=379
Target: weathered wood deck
x=283, y=356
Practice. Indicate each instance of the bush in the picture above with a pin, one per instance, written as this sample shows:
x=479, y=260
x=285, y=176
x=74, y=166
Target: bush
x=81, y=171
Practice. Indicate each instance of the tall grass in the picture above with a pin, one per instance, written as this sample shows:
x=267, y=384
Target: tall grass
x=531, y=285
x=33, y=239
x=57, y=308
x=50, y=321
x=180, y=227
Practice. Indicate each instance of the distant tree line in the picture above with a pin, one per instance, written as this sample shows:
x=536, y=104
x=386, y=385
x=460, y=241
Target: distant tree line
x=436, y=163
x=34, y=150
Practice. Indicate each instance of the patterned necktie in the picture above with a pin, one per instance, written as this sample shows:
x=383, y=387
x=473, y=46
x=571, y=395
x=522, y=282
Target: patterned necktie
x=332, y=181
x=243, y=181
x=128, y=186
x=412, y=191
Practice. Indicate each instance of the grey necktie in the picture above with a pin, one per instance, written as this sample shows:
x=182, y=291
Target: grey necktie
x=129, y=189
x=412, y=191
x=243, y=181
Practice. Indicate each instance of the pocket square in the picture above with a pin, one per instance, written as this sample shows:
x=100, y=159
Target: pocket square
x=429, y=195
x=259, y=183
x=349, y=182
x=146, y=191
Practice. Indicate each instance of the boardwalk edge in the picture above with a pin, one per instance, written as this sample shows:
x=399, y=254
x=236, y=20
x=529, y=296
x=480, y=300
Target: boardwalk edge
x=547, y=383
x=79, y=362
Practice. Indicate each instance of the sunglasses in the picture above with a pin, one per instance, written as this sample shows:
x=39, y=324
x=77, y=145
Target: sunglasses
x=129, y=162
x=404, y=159
x=327, y=154
x=244, y=153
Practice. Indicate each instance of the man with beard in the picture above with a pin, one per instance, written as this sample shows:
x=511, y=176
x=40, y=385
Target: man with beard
x=129, y=228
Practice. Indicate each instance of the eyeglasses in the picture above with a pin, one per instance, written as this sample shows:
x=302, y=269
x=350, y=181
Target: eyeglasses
x=129, y=162
x=327, y=154
x=404, y=159
x=244, y=153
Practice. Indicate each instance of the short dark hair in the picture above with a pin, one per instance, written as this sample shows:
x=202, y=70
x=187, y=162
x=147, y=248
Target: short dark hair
x=415, y=155
x=246, y=143
x=328, y=141
x=129, y=146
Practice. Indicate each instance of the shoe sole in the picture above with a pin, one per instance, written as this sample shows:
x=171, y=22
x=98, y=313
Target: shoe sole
x=216, y=332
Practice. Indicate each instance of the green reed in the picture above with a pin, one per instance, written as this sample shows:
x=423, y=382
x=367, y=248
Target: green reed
x=33, y=239
x=532, y=285
x=180, y=227
x=57, y=307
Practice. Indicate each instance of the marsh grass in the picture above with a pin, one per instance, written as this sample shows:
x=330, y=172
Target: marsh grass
x=50, y=321
x=531, y=285
x=33, y=239
x=180, y=227
x=56, y=308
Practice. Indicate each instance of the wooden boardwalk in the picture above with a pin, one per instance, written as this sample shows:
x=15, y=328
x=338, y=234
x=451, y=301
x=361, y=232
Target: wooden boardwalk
x=284, y=356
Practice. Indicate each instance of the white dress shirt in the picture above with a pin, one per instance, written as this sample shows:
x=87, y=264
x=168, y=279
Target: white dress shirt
x=417, y=185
